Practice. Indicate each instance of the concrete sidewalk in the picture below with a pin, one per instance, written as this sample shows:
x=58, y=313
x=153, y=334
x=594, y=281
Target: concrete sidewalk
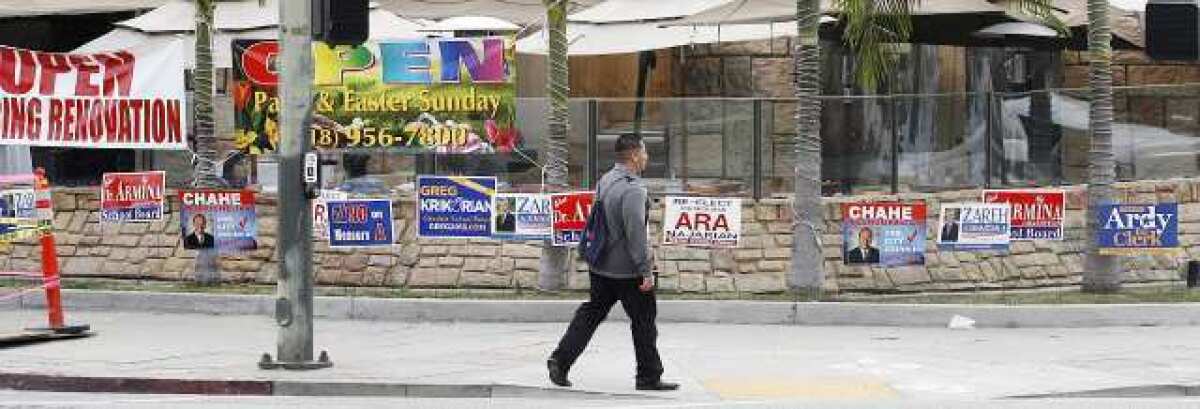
x=713, y=362
x=678, y=311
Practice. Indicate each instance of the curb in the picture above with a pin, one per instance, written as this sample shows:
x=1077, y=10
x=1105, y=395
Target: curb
x=673, y=311
x=63, y=383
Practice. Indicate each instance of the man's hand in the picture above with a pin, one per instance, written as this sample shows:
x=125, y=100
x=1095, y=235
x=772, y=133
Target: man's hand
x=647, y=284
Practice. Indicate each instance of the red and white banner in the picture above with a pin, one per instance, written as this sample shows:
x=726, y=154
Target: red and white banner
x=126, y=99
x=569, y=216
x=132, y=197
x=1037, y=214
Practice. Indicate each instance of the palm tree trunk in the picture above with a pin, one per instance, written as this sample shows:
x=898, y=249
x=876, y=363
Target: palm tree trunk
x=808, y=264
x=1103, y=273
x=204, y=173
x=555, y=260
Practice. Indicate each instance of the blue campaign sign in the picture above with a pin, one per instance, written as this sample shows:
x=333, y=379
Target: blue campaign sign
x=455, y=206
x=1134, y=228
x=360, y=223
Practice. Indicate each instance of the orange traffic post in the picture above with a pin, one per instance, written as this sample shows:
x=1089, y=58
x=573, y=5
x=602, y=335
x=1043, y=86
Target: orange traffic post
x=50, y=275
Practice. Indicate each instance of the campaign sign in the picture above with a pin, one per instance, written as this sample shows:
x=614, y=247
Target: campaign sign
x=320, y=212
x=224, y=220
x=1036, y=214
x=132, y=197
x=1138, y=228
x=521, y=216
x=360, y=223
x=974, y=226
x=18, y=204
x=883, y=233
x=571, y=211
x=702, y=222
x=455, y=206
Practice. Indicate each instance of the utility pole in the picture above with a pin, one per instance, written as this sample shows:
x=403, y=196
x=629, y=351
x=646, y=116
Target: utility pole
x=294, y=305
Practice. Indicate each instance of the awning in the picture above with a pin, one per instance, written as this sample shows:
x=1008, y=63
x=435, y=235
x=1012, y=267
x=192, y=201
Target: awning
x=521, y=12
x=34, y=8
x=624, y=11
x=471, y=23
x=621, y=38
x=384, y=25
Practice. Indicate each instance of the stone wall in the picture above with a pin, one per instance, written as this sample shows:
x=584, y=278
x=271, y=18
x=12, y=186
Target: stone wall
x=138, y=251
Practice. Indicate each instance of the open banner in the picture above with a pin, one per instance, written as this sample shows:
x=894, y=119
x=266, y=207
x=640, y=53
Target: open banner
x=422, y=95
x=124, y=99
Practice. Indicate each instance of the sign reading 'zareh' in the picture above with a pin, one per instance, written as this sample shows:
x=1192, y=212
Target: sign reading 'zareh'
x=126, y=99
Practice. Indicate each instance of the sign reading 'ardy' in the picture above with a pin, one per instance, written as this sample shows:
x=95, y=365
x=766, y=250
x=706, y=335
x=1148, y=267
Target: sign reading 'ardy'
x=120, y=99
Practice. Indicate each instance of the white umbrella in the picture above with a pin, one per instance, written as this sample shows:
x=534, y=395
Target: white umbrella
x=1017, y=29
x=471, y=23
x=624, y=11
x=621, y=38
x=384, y=25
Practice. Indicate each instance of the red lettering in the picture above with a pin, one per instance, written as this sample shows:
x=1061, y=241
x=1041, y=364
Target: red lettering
x=256, y=63
x=33, y=128
x=16, y=124
x=175, y=130
x=17, y=70
x=110, y=122
x=95, y=121
x=702, y=220
x=68, y=121
x=56, y=125
x=721, y=223
x=683, y=222
x=85, y=68
x=135, y=122
x=118, y=72
x=52, y=66
x=123, y=135
x=160, y=121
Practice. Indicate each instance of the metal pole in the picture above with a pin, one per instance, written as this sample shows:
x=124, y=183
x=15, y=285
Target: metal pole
x=593, y=128
x=294, y=307
x=987, y=142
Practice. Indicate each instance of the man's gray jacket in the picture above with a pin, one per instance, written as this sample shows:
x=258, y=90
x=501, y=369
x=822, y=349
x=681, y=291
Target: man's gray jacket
x=626, y=206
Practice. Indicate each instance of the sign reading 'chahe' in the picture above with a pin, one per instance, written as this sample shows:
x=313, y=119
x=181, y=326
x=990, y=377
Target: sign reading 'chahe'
x=442, y=95
x=883, y=233
x=121, y=99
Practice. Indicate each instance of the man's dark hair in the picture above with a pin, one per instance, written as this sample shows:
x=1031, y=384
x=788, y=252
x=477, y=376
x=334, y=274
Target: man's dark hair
x=627, y=143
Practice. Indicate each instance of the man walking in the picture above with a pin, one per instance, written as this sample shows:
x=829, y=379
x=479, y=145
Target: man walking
x=622, y=274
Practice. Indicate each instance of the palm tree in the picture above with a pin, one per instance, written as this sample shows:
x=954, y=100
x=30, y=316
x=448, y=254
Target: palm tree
x=556, y=260
x=873, y=28
x=1101, y=273
x=204, y=173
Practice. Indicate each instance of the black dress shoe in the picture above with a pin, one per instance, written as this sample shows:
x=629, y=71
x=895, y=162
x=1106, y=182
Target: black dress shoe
x=657, y=386
x=558, y=374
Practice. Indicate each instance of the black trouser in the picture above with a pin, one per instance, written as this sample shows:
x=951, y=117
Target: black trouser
x=642, y=310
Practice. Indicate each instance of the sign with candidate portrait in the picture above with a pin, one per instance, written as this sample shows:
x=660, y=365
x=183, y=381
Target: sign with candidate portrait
x=974, y=226
x=883, y=233
x=320, y=212
x=1130, y=229
x=702, y=222
x=1037, y=214
x=521, y=216
x=221, y=220
x=455, y=206
x=18, y=214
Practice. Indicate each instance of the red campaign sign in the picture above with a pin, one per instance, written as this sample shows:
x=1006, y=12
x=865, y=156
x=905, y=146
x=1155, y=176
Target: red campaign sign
x=135, y=197
x=570, y=216
x=1036, y=214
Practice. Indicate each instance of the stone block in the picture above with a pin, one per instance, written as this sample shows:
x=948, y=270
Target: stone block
x=433, y=277
x=779, y=227
x=777, y=253
x=691, y=282
x=694, y=266
x=355, y=262
x=527, y=264
x=948, y=274
x=454, y=262
x=747, y=255
x=476, y=264
x=526, y=279
x=521, y=251
x=383, y=261
x=772, y=266
x=760, y=283
x=1022, y=247
x=63, y=202
x=723, y=259
x=784, y=240
x=434, y=251
x=766, y=212
x=409, y=254
x=486, y=280
x=908, y=275
x=118, y=254
x=485, y=251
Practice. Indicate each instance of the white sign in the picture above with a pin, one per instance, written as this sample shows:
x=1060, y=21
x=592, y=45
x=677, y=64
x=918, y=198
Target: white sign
x=702, y=221
x=521, y=216
x=122, y=99
x=974, y=226
x=320, y=212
